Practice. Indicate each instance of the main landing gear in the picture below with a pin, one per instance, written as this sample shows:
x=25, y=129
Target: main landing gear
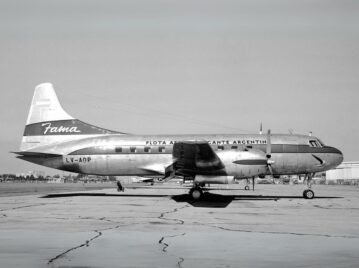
x=308, y=193
x=248, y=183
x=196, y=191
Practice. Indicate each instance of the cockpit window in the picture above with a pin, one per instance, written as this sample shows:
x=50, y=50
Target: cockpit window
x=321, y=143
x=315, y=143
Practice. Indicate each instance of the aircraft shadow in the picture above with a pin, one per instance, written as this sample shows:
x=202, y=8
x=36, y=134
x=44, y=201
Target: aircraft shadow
x=101, y=194
x=208, y=200
x=218, y=201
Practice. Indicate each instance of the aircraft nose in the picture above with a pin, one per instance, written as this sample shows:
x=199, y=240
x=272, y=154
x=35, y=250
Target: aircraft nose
x=338, y=157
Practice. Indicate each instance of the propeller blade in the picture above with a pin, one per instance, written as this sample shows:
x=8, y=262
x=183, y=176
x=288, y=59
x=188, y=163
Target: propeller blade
x=269, y=144
x=270, y=169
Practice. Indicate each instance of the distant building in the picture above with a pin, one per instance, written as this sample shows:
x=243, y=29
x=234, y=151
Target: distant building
x=55, y=180
x=346, y=172
x=36, y=173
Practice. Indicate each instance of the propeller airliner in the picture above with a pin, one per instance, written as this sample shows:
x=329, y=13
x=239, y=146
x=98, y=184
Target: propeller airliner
x=55, y=139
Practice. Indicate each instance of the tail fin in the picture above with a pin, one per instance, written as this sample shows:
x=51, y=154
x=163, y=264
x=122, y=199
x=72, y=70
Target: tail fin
x=45, y=106
x=48, y=123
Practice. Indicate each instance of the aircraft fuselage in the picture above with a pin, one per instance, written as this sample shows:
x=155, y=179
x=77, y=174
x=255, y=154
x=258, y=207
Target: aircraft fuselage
x=150, y=154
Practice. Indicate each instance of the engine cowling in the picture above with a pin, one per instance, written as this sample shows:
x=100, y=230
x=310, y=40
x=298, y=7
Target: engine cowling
x=245, y=164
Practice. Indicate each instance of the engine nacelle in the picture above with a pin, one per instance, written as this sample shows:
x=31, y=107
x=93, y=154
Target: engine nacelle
x=207, y=179
x=249, y=163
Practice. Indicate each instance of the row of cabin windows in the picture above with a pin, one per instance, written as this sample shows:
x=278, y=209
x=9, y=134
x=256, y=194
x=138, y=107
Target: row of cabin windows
x=133, y=149
x=161, y=149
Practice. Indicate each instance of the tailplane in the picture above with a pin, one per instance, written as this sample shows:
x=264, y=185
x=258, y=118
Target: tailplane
x=48, y=123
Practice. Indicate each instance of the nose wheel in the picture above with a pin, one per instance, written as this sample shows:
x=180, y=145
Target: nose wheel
x=308, y=194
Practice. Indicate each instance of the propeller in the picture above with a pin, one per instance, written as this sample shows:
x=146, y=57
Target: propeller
x=269, y=152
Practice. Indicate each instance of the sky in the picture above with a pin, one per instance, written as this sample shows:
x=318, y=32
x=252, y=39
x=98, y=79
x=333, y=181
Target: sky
x=163, y=67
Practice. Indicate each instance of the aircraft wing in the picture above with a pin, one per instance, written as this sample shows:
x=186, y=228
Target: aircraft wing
x=158, y=168
x=195, y=157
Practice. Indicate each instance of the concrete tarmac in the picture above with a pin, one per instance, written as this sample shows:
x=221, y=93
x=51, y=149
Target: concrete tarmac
x=160, y=226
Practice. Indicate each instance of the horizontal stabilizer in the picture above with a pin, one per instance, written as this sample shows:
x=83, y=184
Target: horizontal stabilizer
x=35, y=154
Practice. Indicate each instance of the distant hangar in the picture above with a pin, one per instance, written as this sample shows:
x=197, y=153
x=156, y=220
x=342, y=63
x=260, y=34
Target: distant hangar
x=345, y=172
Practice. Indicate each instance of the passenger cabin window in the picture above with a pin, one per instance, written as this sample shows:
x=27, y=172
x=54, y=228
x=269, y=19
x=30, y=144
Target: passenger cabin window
x=234, y=147
x=118, y=149
x=147, y=149
x=133, y=149
x=220, y=147
x=161, y=149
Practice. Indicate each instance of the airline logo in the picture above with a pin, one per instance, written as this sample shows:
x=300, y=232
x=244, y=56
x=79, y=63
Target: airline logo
x=64, y=127
x=59, y=129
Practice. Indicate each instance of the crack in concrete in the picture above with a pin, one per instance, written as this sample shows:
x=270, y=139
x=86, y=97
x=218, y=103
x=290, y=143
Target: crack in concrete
x=165, y=246
x=116, y=222
x=57, y=218
x=179, y=263
x=331, y=207
x=98, y=219
x=268, y=232
x=27, y=206
x=177, y=221
x=87, y=242
x=161, y=241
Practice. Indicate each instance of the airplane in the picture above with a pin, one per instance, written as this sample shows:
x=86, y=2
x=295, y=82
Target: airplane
x=55, y=139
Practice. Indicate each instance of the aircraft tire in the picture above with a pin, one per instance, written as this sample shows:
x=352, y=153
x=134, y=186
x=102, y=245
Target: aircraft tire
x=246, y=188
x=308, y=194
x=196, y=193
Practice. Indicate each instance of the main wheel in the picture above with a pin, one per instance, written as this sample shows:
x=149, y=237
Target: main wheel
x=308, y=194
x=246, y=187
x=196, y=193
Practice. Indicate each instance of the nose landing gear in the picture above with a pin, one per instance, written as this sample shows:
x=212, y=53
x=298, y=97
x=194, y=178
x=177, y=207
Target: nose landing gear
x=309, y=193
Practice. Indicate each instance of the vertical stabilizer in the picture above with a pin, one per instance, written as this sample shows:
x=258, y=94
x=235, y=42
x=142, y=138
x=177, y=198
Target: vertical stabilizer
x=48, y=123
x=45, y=106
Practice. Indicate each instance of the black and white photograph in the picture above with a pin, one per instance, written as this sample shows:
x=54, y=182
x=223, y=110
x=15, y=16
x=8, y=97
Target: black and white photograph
x=166, y=133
